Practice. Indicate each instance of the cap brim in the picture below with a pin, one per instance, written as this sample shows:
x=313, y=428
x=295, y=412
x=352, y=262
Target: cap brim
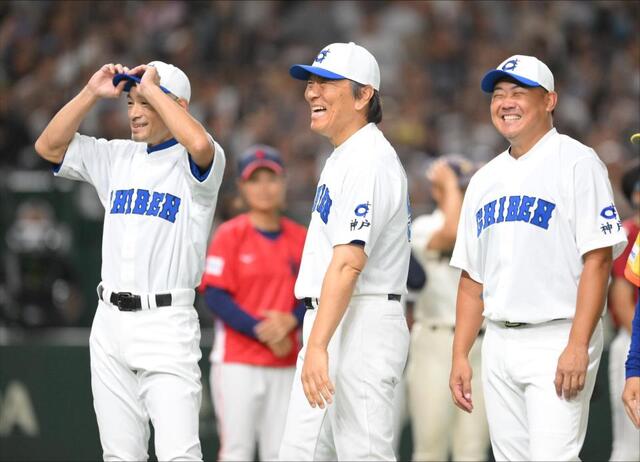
x=490, y=79
x=302, y=72
x=263, y=163
x=131, y=81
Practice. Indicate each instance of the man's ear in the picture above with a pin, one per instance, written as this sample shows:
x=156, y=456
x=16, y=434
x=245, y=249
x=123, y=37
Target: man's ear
x=366, y=93
x=551, y=100
x=183, y=102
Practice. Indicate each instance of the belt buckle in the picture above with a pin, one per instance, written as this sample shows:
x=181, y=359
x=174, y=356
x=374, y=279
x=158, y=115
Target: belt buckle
x=126, y=301
x=513, y=324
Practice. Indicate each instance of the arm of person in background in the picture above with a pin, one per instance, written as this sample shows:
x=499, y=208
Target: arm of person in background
x=53, y=142
x=224, y=307
x=469, y=308
x=631, y=393
x=572, y=363
x=276, y=325
x=449, y=200
x=621, y=298
x=186, y=130
x=346, y=264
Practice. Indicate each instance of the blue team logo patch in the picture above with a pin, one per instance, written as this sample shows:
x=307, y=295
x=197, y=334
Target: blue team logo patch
x=322, y=55
x=362, y=209
x=510, y=65
x=609, y=213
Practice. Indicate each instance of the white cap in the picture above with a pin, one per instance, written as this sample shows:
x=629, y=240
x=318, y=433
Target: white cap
x=172, y=80
x=528, y=70
x=342, y=61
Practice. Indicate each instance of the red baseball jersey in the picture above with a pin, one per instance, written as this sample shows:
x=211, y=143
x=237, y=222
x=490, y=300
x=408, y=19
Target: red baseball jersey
x=619, y=263
x=260, y=274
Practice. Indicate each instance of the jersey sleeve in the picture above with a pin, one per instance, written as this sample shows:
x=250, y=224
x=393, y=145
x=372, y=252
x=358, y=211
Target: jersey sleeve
x=220, y=265
x=204, y=185
x=89, y=159
x=467, y=254
x=422, y=230
x=597, y=223
x=363, y=207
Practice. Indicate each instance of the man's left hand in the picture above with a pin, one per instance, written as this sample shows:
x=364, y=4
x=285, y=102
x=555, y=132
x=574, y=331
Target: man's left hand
x=571, y=371
x=315, y=377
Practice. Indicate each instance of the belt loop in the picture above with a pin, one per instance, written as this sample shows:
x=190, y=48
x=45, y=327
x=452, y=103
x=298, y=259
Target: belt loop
x=151, y=302
x=144, y=302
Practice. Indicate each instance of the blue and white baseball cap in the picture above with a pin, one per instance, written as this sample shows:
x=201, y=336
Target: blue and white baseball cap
x=172, y=80
x=342, y=61
x=527, y=70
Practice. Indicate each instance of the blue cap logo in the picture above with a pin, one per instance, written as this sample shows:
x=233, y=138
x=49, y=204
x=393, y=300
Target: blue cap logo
x=321, y=56
x=510, y=65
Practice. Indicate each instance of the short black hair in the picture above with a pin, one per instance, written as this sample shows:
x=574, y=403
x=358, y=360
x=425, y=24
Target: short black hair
x=374, y=114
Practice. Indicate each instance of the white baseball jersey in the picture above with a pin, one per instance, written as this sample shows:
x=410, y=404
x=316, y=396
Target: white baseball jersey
x=527, y=222
x=436, y=302
x=158, y=210
x=361, y=196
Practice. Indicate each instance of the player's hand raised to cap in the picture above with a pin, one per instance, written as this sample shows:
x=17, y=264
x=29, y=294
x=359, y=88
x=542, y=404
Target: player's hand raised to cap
x=148, y=77
x=100, y=84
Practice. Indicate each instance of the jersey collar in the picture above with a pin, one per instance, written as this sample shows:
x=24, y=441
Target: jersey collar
x=164, y=145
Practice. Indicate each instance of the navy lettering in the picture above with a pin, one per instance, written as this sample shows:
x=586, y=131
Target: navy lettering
x=489, y=212
x=142, y=201
x=542, y=214
x=170, y=208
x=323, y=202
x=479, y=221
x=119, y=201
x=525, y=205
x=501, y=210
x=154, y=206
x=512, y=211
x=518, y=209
x=149, y=203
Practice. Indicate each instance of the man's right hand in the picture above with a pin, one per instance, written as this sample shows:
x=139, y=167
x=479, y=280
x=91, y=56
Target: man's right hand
x=100, y=84
x=460, y=383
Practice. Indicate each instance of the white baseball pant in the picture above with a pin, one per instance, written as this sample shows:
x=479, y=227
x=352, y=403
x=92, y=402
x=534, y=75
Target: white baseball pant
x=626, y=437
x=438, y=425
x=144, y=365
x=527, y=419
x=367, y=355
x=251, y=406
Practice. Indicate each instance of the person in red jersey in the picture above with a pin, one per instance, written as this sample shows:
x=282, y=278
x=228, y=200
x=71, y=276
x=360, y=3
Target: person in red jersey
x=251, y=268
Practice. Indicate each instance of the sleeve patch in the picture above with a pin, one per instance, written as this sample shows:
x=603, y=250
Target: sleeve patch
x=214, y=266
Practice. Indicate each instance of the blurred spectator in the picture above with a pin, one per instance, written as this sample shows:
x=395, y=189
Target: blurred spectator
x=623, y=297
x=37, y=283
x=440, y=429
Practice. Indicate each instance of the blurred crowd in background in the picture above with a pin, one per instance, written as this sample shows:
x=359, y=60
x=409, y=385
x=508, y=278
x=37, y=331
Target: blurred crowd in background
x=432, y=55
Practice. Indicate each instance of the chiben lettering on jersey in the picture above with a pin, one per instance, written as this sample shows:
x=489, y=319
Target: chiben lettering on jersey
x=144, y=202
x=322, y=203
x=515, y=208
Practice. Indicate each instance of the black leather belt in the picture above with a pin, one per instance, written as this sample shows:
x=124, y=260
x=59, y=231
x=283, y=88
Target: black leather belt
x=126, y=301
x=308, y=301
x=522, y=324
x=453, y=329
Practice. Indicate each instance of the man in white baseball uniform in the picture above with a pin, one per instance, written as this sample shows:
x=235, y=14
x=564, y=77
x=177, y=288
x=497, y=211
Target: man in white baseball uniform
x=353, y=271
x=538, y=231
x=439, y=427
x=159, y=191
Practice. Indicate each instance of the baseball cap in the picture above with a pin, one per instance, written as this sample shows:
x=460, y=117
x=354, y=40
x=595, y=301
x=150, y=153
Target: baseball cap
x=259, y=156
x=528, y=70
x=172, y=80
x=342, y=61
x=461, y=166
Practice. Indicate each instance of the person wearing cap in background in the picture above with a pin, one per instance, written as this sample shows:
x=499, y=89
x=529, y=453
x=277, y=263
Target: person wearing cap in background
x=537, y=234
x=623, y=297
x=631, y=392
x=250, y=271
x=353, y=271
x=438, y=426
x=159, y=192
